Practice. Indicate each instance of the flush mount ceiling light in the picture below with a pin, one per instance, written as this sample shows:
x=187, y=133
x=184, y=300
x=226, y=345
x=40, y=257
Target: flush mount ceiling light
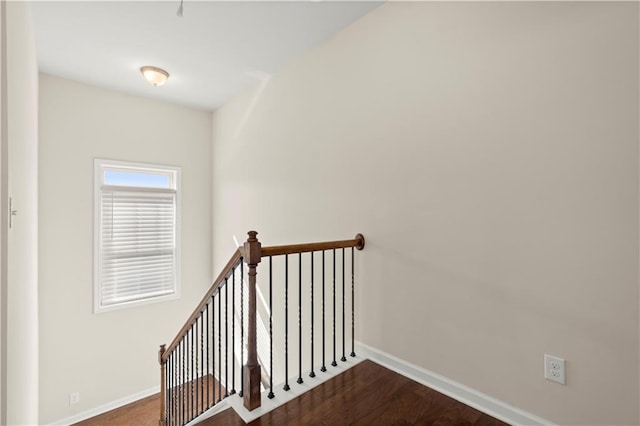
x=154, y=75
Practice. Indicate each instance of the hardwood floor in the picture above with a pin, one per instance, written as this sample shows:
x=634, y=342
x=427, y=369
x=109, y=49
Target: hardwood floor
x=144, y=412
x=366, y=394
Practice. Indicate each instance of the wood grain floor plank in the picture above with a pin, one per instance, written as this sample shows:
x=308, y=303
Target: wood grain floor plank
x=487, y=420
x=144, y=412
x=367, y=394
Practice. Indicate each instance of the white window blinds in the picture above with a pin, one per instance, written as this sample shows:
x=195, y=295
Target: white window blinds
x=137, y=252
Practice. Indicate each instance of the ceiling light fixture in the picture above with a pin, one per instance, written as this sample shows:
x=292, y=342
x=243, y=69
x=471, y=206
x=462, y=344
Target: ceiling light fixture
x=154, y=75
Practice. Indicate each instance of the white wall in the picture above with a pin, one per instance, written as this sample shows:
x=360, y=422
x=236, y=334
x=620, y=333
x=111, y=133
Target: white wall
x=4, y=201
x=489, y=153
x=22, y=239
x=110, y=355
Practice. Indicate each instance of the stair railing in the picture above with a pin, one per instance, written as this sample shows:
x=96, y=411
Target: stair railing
x=198, y=368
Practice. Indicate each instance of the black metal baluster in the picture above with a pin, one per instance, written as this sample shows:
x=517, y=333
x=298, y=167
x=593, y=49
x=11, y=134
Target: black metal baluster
x=226, y=338
x=299, y=318
x=208, y=353
x=334, y=363
x=353, y=305
x=270, y=395
x=186, y=377
x=219, y=345
x=286, y=322
x=187, y=381
x=169, y=381
x=312, y=373
x=323, y=368
x=241, y=327
x=187, y=390
x=213, y=351
x=182, y=382
x=169, y=377
x=195, y=372
x=202, y=362
x=344, y=358
x=233, y=332
x=167, y=405
x=174, y=381
x=176, y=386
x=192, y=372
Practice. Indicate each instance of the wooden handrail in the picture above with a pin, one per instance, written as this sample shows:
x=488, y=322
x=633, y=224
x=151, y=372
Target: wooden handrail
x=233, y=262
x=251, y=252
x=357, y=242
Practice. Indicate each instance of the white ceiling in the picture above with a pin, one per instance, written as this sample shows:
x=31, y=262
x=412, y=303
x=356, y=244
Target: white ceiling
x=213, y=52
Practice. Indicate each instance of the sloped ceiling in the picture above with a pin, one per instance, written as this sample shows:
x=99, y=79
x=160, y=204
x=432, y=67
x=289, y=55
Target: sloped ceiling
x=214, y=51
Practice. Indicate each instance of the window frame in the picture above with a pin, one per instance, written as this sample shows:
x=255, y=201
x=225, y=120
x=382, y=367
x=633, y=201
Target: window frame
x=99, y=168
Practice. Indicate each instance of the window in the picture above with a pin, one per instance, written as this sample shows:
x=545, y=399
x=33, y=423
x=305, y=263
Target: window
x=136, y=225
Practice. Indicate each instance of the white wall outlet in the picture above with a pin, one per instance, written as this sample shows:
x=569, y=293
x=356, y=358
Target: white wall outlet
x=74, y=398
x=554, y=369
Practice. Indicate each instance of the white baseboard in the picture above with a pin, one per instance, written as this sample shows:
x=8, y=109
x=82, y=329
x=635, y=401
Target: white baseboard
x=280, y=397
x=471, y=397
x=107, y=407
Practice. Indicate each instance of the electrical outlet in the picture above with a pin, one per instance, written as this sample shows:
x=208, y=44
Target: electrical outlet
x=554, y=369
x=74, y=398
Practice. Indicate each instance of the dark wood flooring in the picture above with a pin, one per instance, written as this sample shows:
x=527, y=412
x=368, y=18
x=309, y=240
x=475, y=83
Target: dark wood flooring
x=366, y=394
x=144, y=412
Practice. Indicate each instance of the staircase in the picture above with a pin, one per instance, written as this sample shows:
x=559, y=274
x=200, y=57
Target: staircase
x=247, y=334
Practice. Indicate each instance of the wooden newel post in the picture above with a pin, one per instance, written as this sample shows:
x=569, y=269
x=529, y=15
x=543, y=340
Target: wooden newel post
x=252, y=373
x=163, y=368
